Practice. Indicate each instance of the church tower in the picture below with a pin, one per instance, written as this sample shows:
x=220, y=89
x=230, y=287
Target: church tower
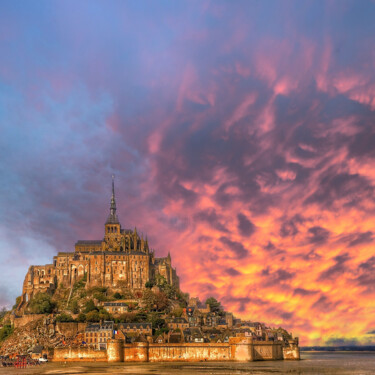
x=112, y=226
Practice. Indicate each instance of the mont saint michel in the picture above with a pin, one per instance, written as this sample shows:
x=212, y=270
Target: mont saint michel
x=113, y=300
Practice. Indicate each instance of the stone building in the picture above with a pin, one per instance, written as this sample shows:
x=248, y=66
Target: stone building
x=115, y=308
x=121, y=258
x=177, y=323
x=135, y=329
x=97, y=334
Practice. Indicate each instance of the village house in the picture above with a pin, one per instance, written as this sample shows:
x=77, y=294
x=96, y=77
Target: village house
x=97, y=334
x=116, y=308
x=194, y=317
x=134, y=329
x=177, y=323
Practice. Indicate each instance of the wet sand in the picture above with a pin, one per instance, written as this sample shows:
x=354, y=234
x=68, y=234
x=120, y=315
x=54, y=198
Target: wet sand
x=311, y=364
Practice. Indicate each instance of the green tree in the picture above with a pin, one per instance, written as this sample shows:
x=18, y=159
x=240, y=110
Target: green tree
x=127, y=318
x=140, y=317
x=75, y=307
x=160, y=331
x=90, y=306
x=160, y=280
x=149, y=284
x=100, y=296
x=64, y=318
x=81, y=318
x=149, y=299
x=3, y=312
x=158, y=323
x=105, y=315
x=6, y=331
x=117, y=295
x=18, y=300
x=162, y=302
x=177, y=312
x=41, y=304
x=93, y=316
x=214, y=304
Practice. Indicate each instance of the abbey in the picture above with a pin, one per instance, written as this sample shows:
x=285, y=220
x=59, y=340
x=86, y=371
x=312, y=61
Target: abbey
x=122, y=259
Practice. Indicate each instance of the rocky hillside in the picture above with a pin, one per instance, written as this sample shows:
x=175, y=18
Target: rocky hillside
x=36, y=333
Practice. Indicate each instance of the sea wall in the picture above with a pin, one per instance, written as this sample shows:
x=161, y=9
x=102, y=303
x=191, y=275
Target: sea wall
x=189, y=352
x=292, y=350
x=237, y=349
x=263, y=351
x=78, y=354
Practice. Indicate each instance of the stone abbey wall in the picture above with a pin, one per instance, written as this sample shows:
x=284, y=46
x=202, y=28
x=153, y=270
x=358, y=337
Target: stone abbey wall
x=238, y=349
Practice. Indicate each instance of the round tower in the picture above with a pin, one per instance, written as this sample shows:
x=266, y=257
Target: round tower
x=115, y=350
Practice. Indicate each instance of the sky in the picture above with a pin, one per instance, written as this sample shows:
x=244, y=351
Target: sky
x=241, y=135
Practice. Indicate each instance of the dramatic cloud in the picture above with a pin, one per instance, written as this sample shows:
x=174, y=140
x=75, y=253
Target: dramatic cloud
x=242, y=139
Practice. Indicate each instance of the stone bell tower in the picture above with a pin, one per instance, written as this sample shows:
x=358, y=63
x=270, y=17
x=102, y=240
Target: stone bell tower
x=112, y=237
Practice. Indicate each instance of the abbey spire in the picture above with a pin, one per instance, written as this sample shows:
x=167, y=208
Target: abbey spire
x=112, y=218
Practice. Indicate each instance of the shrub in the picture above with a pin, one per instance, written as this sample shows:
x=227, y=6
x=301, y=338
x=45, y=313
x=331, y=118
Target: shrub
x=161, y=331
x=140, y=317
x=105, y=315
x=117, y=295
x=18, y=300
x=41, y=304
x=64, y=318
x=75, y=307
x=3, y=312
x=158, y=323
x=5, y=332
x=81, y=318
x=100, y=297
x=93, y=316
x=215, y=305
x=98, y=289
x=177, y=312
x=127, y=318
x=79, y=284
x=149, y=284
x=90, y=306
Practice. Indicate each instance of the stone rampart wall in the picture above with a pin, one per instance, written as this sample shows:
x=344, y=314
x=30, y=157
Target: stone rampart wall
x=291, y=353
x=189, y=352
x=70, y=329
x=235, y=350
x=266, y=351
x=25, y=319
x=78, y=354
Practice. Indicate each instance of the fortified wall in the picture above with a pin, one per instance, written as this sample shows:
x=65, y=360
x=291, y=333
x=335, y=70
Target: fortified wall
x=237, y=349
